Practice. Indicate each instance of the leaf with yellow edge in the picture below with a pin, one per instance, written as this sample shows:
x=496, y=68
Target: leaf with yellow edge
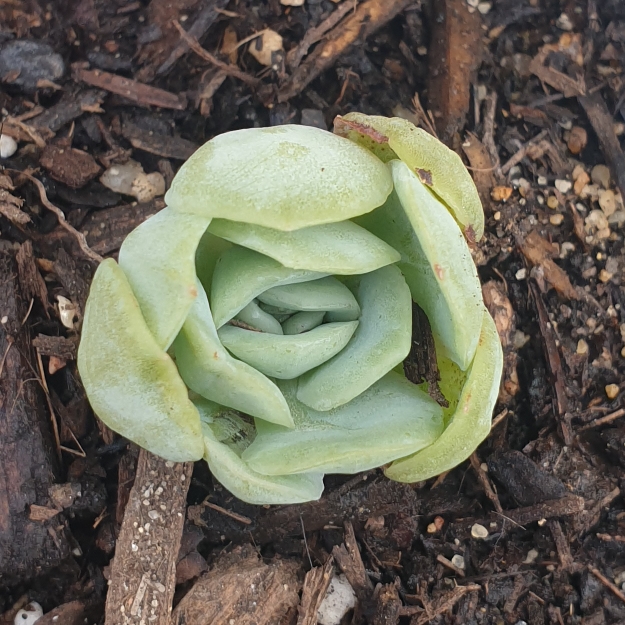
x=441, y=169
x=471, y=421
x=132, y=384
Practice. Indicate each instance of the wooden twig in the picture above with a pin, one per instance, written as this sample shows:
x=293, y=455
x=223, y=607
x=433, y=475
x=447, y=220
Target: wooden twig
x=607, y=583
x=485, y=482
x=80, y=238
x=617, y=414
x=143, y=572
x=233, y=515
x=231, y=70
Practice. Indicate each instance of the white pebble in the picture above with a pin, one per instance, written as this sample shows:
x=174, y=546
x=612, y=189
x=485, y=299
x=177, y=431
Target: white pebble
x=541, y=180
x=484, y=7
x=521, y=274
x=564, y=22
x=8, y=146
x=479, y=531
x=458, y=562
x=339, y=600
x=532, y=554
x=28, y=615
x=564, y=186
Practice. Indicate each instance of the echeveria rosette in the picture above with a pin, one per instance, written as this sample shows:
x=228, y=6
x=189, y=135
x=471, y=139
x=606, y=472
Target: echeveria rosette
x=260, y=320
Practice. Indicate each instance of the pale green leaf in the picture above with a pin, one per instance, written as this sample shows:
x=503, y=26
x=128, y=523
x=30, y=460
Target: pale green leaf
x=241, y=275
x=436, y=165
x=324, y=294
x=286, y=177
x=471, y=421
x=380, y=425
x=224, y=462
x=381, y=341
x=436, y=262
x=158, y=259
x=132, y=384
x=302, y=322
x=287, y=357
x=340, y=248
x=255, y=317
x=209, y=370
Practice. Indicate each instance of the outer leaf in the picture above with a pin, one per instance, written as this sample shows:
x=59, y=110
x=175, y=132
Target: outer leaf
x=324, y=294
x=226, y=465
x=242, y=275
x=376, y=427
x=287, y=357
x=436, y=262
x=286, y=177
x=158, y=259
x=341, y=248
x=435, y=164
x=471, y=421
x=208, y=369
x=132, y=384
x=381, y=341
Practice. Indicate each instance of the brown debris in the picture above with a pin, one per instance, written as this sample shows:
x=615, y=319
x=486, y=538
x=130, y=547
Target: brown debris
x=71, y=106
x=455, y=53
x=28, y=469
x=133, y=90
x=31, y=281
x=72, y=613
x=162, y=145
x=11, y=208
x=316, y=584
x=481, y=166
x=566, y=85
x=143, y=571
x=241, y=588
x=539, y=251
x=57, y=346
x=363, y=22
x=68, y=165
x=603, y=124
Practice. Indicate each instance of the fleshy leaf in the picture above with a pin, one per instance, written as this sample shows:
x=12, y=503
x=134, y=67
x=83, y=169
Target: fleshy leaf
x=132, y=384
x=324, y=294
x=303, y=322
x=381, y=341
x=158, y=259
x=285, y=177
x=436, y=165
x=471, y=421
x=383, y=423
x=287, y=357
x=436, y=262
x=209, y=370
x=340, y=248
x=255, y=317
x=224, y=461
x=241, y=275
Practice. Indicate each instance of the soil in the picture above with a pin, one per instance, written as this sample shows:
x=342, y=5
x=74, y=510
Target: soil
x=532, y=95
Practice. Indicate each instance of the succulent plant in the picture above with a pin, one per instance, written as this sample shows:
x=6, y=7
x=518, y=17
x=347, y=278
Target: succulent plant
x=261, y=319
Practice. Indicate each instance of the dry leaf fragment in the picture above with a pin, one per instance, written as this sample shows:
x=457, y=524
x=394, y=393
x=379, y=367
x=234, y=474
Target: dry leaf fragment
x=264, y=47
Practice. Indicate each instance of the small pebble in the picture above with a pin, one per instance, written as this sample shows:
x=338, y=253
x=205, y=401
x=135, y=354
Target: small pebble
x=28, y=615
x=479, y=531
x=566, y=248
x=501, y=194
x=582, y=347
x=605, y=276
x=600, y=175
x=607, y=201
x=458, y=562
x=552, y=202
x=521, y=274
x=340, y=598
x=564, y=22
x=497, y=216
x=484, y=7
x=8, y=146
x=597, y=220
x=541, y=180
x=422, y=50
x=292, y=3
x=532, y=554
x=578, y=138
x=29, y=62
x=623, y=352
x=564, y=186
x=611, y=390
x=557, y=219
x=262, y=51
x=580, y=182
